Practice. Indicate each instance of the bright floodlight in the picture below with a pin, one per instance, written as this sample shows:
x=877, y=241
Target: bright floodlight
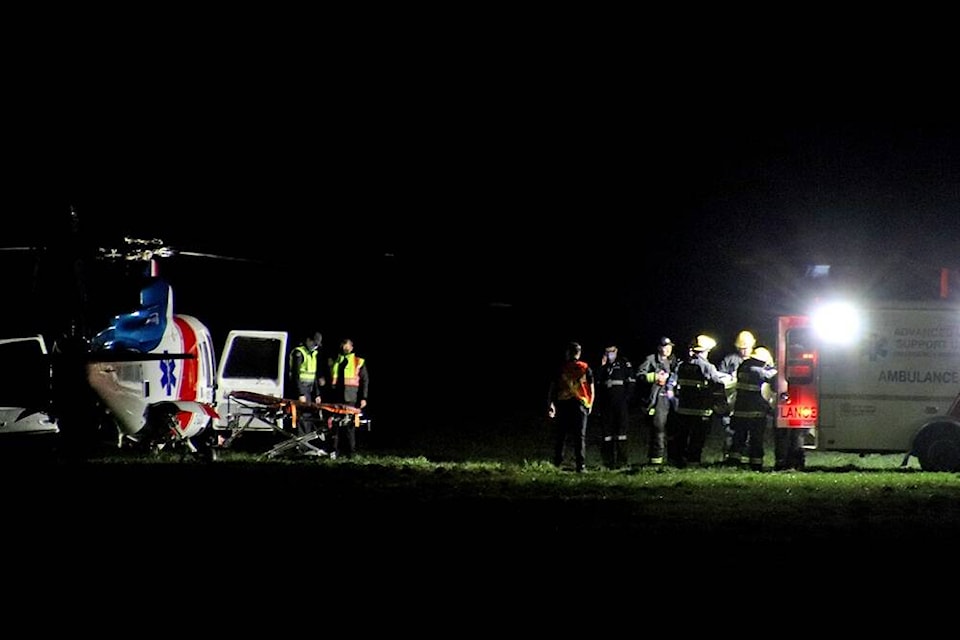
x=837, y=323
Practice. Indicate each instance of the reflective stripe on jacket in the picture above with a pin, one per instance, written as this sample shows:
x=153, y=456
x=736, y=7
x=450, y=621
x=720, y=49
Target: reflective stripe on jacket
x=751, y=374
x=696, y=387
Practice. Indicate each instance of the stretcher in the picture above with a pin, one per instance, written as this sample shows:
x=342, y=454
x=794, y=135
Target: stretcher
x=255, y=411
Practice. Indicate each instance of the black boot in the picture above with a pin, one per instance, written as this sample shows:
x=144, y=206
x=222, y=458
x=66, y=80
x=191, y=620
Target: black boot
x=607, y=454
x=620, y=459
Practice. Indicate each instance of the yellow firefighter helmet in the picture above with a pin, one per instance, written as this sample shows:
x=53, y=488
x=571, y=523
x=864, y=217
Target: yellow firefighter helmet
x=766, y=392
x=704, y=343
x=763, y=355
x=745, y=340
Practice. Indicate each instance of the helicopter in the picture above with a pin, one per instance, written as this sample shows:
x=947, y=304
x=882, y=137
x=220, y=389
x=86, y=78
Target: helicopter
x=150, y=379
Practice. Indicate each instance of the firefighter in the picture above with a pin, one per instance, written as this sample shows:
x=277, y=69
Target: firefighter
x=751, y=410
x=658, y=370
x=698, y=384
x=615, y=384
x=570, y=401
x=728, y=367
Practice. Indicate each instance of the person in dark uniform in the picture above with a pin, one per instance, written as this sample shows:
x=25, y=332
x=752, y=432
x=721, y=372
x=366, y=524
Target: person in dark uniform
x=698, y=385
x=752, y=408
x=658, y=371
x=615, y=385
x=728, y=368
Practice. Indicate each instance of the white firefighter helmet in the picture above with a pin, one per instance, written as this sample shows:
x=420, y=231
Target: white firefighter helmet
x=763, y=355
x=745, y=340
x=703, y=343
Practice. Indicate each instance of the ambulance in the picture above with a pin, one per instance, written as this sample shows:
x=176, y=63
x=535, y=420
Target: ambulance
x=878, y=378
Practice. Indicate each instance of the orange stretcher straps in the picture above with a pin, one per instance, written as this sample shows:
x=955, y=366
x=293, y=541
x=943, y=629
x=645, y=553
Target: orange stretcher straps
x=340, y=408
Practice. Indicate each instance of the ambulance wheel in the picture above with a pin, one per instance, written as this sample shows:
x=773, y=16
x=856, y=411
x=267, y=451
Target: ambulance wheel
x=938, y=447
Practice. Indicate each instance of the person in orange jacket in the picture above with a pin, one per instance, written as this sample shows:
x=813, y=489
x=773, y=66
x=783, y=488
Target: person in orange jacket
x=570, y=400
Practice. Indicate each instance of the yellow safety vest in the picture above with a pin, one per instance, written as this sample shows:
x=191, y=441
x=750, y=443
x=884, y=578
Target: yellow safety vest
x=351, y=372
x=308, y=367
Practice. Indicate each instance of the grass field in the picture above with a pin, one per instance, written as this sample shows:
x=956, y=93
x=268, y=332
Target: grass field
x=493, y=491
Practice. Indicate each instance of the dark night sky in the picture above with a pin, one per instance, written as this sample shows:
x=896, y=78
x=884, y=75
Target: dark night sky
x=599, y=201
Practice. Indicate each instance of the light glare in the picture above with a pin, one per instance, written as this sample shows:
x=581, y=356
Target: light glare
x=837, y=323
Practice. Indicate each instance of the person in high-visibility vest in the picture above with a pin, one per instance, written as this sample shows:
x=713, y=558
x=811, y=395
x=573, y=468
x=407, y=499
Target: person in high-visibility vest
x=306, y=377
x=570, y=401
x=349, y=384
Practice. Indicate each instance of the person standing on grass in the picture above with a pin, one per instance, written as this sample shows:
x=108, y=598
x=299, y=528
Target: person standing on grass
x=697, y=389
x=751, y=409
x=570, y=400
x=615, y=384
x=658, y=371
x=728, y=368
x=306, y=378
x=349, y=385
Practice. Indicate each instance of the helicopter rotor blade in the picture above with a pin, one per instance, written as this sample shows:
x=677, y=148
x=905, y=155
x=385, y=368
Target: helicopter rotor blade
x=214, y=256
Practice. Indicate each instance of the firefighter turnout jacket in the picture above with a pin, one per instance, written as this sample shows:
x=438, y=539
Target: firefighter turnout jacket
x=699, y=386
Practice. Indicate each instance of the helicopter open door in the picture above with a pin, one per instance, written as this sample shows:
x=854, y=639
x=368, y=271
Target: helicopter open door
x=252, y=362
x=24, y=379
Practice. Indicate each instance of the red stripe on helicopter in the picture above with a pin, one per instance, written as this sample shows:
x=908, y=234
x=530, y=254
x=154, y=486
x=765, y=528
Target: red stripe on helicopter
x=190, y=369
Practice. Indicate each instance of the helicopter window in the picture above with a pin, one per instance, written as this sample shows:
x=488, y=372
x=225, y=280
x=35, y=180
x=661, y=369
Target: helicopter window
x=253, y=358
x=205, y=358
